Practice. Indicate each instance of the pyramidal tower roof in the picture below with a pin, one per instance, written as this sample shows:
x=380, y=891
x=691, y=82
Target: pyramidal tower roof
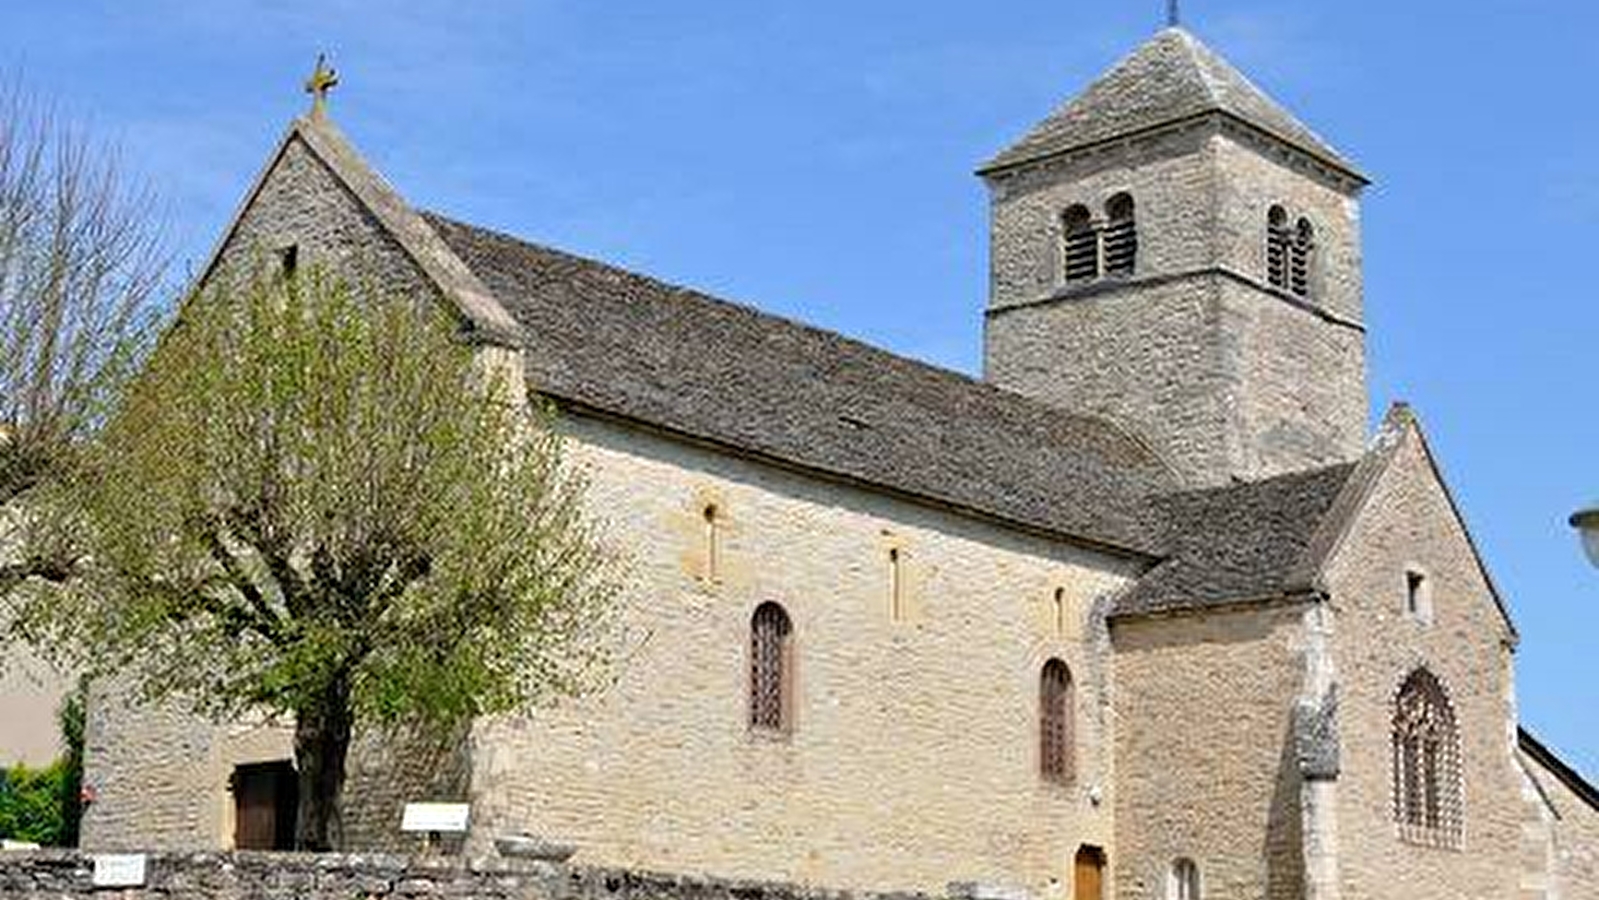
x=1170, y=78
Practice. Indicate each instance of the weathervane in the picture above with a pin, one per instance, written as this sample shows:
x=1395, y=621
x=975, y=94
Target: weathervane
x=321, y=81
x=1174, y=16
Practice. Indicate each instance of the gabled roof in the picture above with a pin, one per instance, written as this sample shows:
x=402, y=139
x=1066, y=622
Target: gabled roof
x=1236, y=543
x=1171, y=78
x=1398, y=425
x=1555, y=766
x=483, y=316
x=1271, y=539
x=628, y=346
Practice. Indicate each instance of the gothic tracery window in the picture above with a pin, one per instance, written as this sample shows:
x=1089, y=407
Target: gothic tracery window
x=771, y=669
x=1427, y=773
x=1055, y=744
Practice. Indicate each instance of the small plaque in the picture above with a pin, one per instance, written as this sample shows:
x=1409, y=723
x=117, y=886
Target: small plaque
x=119, y=870
x=440, y=817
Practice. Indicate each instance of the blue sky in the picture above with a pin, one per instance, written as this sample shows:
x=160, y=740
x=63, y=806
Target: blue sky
x=814, y=159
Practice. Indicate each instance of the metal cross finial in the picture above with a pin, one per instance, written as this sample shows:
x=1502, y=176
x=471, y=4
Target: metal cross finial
x=1174, y=16
x=321, y=81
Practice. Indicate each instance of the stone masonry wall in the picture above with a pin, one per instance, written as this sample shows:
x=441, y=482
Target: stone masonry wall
x=1226, y=375
x=1560, y=834
x=913, y=760
x=66, y=875
x=1205, y=764
x=161, y=774
x=1407, y=524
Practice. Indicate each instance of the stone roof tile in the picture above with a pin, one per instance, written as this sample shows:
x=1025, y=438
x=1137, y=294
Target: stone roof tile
x=633, y=347
x=1170, y=78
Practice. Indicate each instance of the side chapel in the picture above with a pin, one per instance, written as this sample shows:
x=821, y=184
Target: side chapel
x=1144, y=612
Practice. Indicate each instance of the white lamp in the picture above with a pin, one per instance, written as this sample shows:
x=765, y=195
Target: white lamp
x=1586, y=521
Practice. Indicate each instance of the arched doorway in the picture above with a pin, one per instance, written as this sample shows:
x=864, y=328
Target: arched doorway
x=1088, y=874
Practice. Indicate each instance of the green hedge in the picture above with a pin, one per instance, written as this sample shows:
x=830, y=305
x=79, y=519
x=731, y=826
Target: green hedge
x=42, y=805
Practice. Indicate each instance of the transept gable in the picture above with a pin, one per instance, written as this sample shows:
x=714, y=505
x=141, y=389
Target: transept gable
x=318, y=138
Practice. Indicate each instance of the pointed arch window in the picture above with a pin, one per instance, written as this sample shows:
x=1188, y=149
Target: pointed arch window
x=1302, y=258
x=1427, y=774
x=1055, y=734
x=1082, y=244
x=771, y=669
x=1279, y=238
x=1121, y=236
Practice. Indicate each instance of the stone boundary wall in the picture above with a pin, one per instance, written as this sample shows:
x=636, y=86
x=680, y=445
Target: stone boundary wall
x=68, y=875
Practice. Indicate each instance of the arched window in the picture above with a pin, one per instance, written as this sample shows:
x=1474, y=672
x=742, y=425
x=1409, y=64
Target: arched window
x=1082, y=244
x=1121, y=236
x=771, y=669
x=1183, y=882
x=1426, y=746
x=1302, y=258
x=1278, y=240
x=1055, y=739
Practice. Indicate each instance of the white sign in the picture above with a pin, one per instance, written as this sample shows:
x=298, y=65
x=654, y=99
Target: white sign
x=434, y=817
x=119, y=870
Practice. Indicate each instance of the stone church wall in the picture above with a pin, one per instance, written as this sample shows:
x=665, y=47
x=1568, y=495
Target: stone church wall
x=913, y=760
x=160, y=773
x=1205, y=761
x=1193, y=350
x=1408, y=524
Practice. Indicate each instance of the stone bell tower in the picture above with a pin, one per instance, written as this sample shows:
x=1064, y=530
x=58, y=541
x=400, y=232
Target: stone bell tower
x=1175, y=252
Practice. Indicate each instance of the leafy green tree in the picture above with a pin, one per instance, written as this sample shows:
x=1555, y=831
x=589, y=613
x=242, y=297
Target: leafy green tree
x=321, y=503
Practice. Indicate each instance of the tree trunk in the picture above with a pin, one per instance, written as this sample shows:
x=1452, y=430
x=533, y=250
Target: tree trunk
x=321, y=743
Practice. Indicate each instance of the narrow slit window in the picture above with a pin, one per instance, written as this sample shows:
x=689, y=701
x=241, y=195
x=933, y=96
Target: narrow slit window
x=289, y=260
x=1082, y=245
x=896, y=587
x=1418, y=596
x=1121, y=236
x=1060, y=611
x=1184, y=881
x=712, y=543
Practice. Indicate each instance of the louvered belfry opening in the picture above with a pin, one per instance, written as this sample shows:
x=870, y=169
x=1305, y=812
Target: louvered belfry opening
x=1303, y=258
x=1054, y=723
x=1121, y=236
x=1082, y=245
x=1427, y=771
x=770, y=668
x=1278, y=241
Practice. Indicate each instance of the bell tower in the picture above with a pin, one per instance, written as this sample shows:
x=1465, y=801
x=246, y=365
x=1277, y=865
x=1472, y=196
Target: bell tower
x=1175, y=252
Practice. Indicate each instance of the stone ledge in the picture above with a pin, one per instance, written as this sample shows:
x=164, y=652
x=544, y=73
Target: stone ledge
x=248, y=875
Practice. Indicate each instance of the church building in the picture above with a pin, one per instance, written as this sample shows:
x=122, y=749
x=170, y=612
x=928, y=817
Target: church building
x=1146, y=611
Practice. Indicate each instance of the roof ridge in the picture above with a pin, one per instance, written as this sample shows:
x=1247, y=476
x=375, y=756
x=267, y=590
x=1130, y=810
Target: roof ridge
x=1021, y=401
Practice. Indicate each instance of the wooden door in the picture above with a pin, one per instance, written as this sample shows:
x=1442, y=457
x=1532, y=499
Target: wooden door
x=1088, y=874
x=265, y=797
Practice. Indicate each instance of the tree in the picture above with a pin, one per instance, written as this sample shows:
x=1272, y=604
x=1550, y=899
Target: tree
x=317, y=502
x=81, y=269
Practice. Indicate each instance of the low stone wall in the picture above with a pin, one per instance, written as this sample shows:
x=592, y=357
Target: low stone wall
x=69, y=875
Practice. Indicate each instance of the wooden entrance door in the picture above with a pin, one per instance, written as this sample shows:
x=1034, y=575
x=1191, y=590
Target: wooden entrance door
x=265, y=799
x=1088, y=874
